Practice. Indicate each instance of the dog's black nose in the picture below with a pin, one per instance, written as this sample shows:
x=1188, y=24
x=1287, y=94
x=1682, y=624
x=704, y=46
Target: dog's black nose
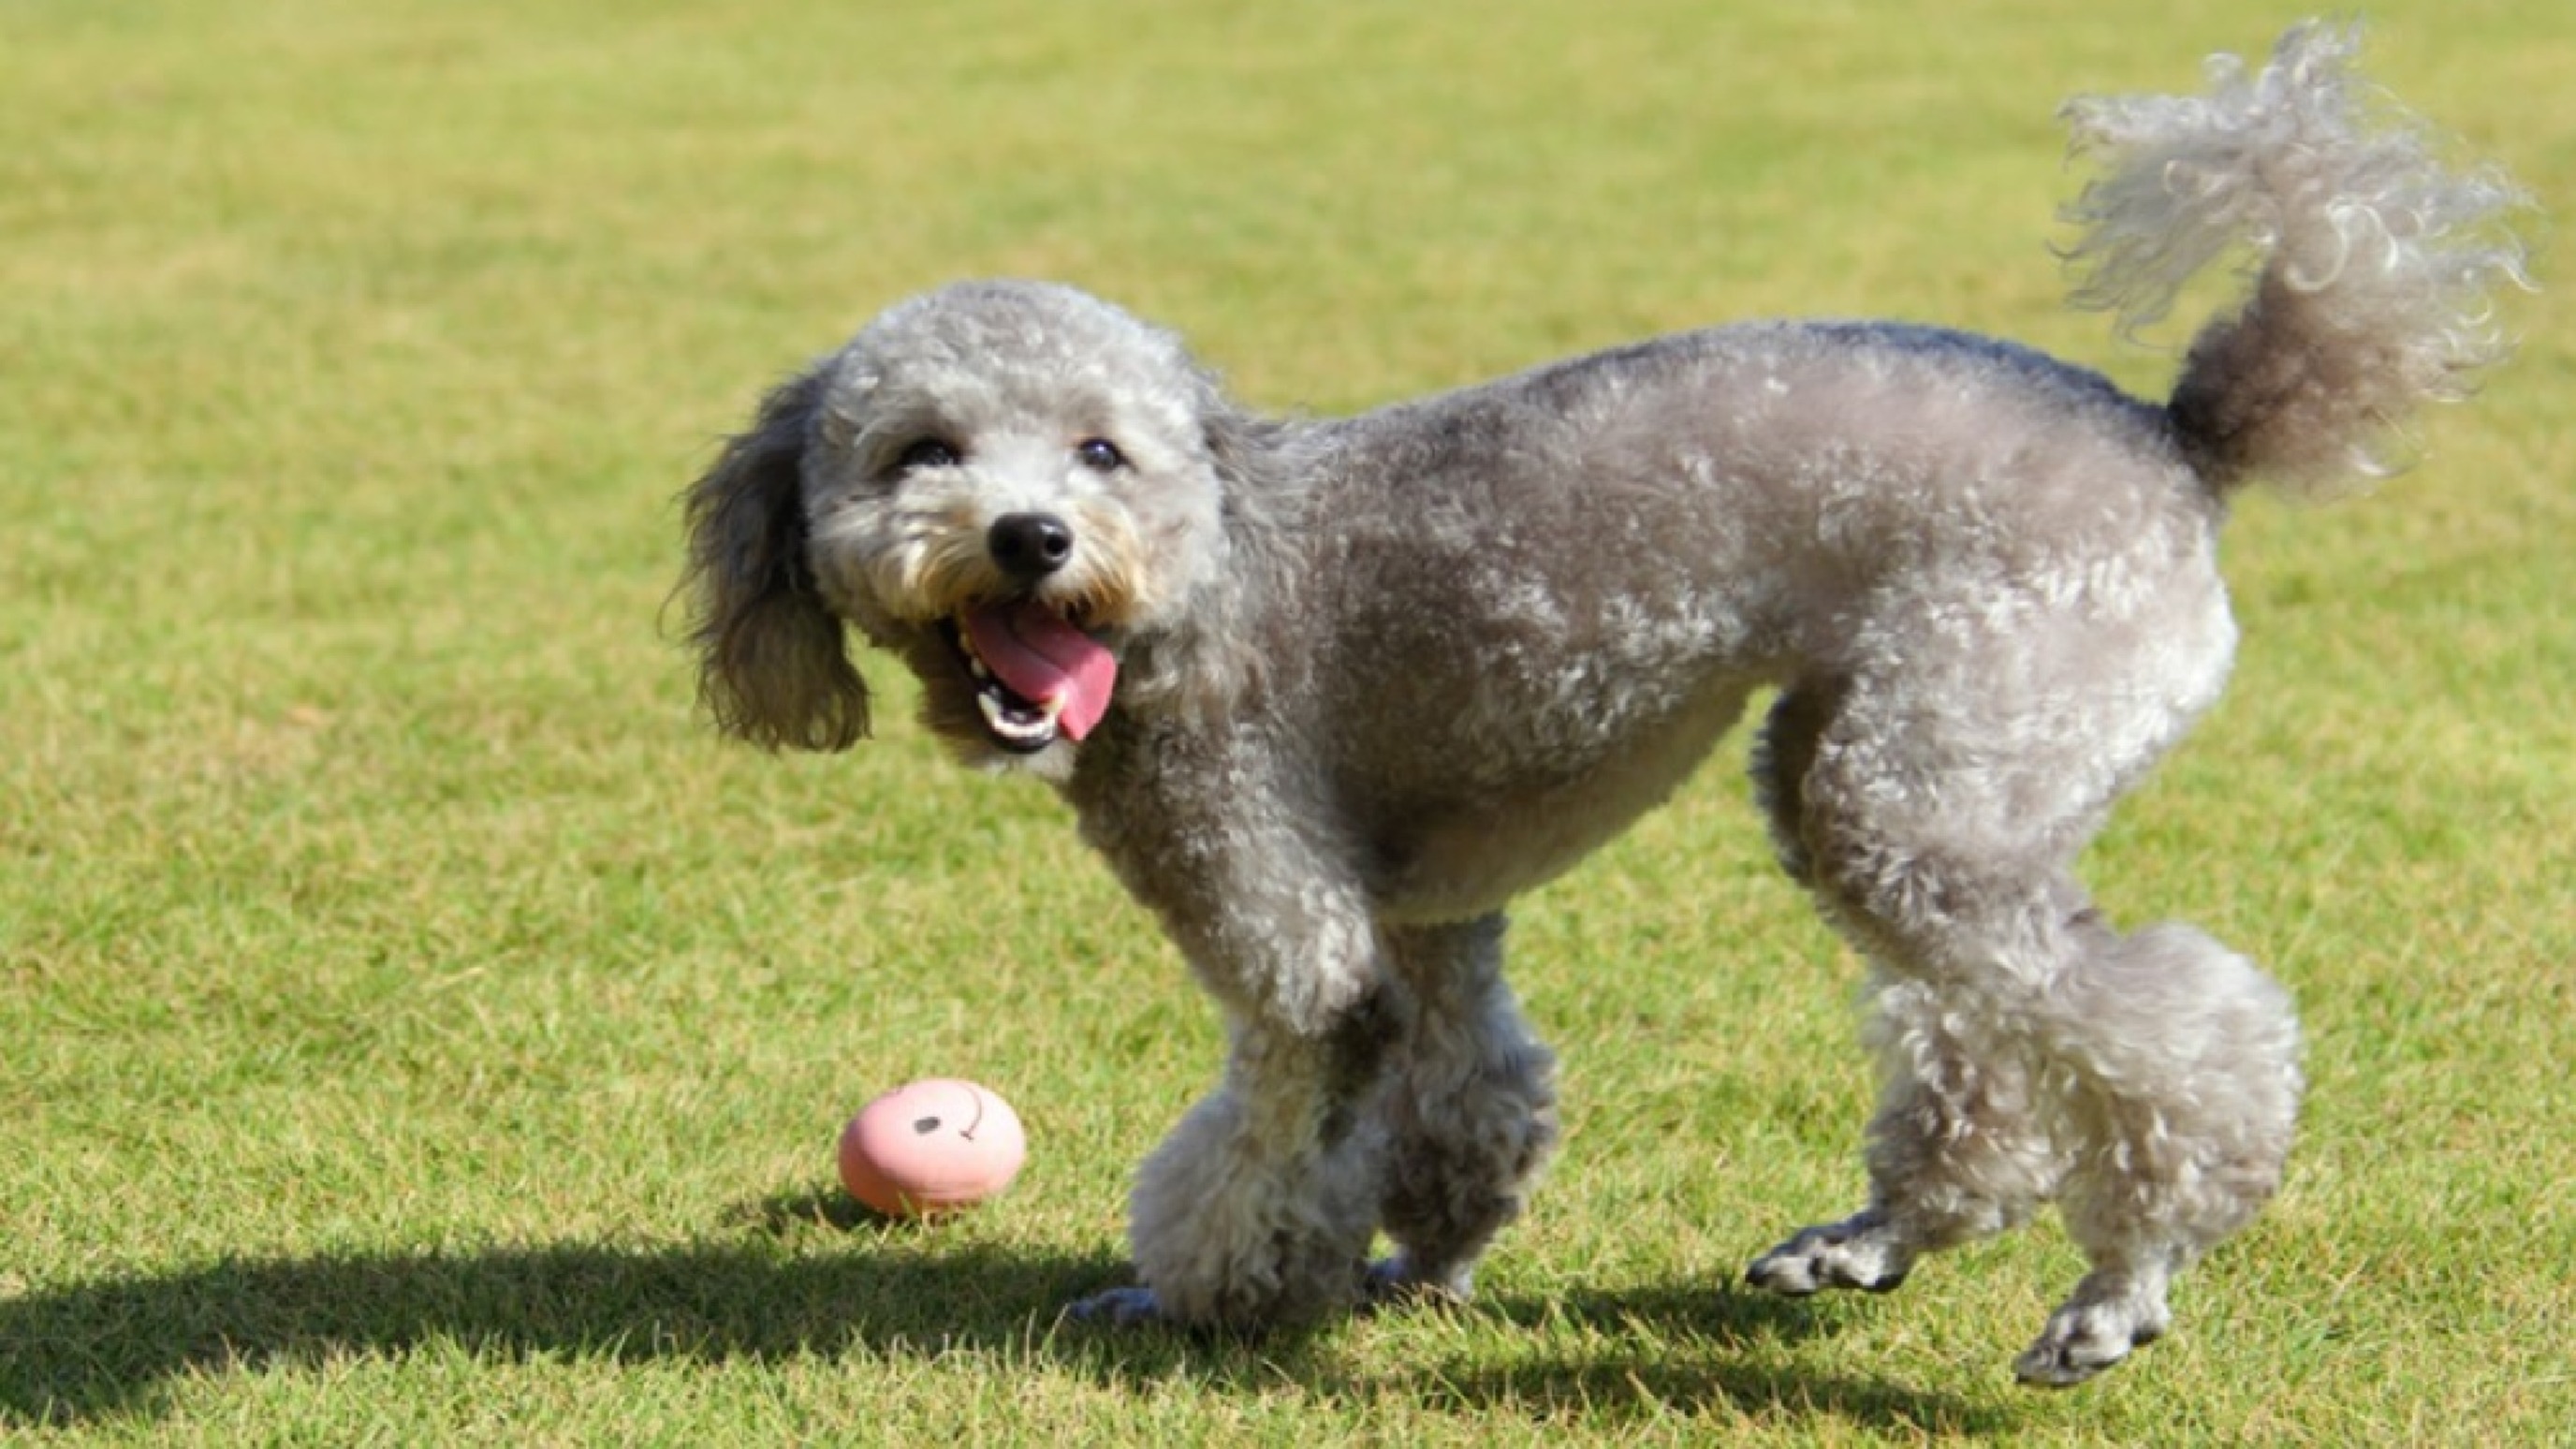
x=1029, y=545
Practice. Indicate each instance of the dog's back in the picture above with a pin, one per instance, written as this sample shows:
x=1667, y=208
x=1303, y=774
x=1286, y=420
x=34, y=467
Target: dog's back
x=1528, y=608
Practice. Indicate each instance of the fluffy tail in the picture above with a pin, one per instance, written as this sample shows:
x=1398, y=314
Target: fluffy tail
x=2375, y=263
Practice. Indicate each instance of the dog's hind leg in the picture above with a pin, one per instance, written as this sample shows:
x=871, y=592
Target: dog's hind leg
x=1957, y=1150
x=2181, y=1062
x=2027, y=1047
x=1468, y=1111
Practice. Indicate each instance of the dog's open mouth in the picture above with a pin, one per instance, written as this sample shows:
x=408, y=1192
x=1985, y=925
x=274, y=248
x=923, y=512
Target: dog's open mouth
x=1036, y=676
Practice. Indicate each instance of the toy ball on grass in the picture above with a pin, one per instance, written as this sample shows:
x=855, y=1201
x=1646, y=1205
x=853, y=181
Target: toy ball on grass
x=931, y=1147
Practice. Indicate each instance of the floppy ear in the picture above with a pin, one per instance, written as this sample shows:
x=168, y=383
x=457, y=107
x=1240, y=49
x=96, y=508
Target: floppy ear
x=773, y=667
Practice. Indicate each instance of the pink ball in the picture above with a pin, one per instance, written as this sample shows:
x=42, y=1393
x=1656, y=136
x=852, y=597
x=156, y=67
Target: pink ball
x=931, y=1147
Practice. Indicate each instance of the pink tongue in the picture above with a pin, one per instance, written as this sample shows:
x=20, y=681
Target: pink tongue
x=1044, y=659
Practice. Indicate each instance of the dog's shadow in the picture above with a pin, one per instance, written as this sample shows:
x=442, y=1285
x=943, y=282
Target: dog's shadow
x=109, y=1348
x=1646, y=1353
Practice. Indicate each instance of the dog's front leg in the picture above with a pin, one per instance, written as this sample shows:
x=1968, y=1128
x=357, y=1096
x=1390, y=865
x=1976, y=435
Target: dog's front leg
x=1469, y=1111
x=1258, y=1210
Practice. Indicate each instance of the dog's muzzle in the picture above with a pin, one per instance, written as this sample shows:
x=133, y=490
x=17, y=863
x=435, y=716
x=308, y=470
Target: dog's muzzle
x=1037, y=677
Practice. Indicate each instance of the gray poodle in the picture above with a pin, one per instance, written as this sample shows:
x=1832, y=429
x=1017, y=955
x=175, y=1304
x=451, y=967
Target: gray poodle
x=1328, y=694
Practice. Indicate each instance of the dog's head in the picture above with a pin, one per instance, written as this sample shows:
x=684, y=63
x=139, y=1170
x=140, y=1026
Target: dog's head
x=1008, y=485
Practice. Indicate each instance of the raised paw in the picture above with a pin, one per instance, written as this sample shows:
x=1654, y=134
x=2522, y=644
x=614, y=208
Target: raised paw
x=1119, y=1308
x=1862, y=1251
x=2089, y=1335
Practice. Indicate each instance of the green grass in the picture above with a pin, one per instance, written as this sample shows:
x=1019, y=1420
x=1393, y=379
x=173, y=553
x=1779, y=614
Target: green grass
x=414, y=1025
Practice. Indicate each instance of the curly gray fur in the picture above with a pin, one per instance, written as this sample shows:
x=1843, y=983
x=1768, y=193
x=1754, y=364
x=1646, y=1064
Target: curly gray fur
x=1328, y=694
x=2378, y=264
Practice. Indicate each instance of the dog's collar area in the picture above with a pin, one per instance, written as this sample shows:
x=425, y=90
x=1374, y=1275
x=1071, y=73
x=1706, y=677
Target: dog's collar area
x=1012, y=721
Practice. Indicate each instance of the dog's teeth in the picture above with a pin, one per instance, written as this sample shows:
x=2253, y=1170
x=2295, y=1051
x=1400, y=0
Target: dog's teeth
x=976, y=668
x=1020, y=727
x=997, y=716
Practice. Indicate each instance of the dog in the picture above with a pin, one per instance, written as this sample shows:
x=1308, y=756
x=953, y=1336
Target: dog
x=1327, y=694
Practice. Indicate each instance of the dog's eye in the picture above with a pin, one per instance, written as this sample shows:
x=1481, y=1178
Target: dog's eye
x=1100, y=455
x=926, y=453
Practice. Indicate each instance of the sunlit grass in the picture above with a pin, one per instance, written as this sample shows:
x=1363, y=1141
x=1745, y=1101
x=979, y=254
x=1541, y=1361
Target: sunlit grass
x=414, y=1025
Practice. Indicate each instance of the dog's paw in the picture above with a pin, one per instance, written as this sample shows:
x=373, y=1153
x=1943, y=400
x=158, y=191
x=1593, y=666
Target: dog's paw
x=1119, y=1308
x=1861, y=1251
x=1395, y=1283
x=2091, y=1334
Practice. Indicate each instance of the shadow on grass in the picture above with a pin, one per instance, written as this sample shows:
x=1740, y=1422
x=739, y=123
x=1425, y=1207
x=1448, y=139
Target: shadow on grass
x=1651, y=1352
x=107, y=1349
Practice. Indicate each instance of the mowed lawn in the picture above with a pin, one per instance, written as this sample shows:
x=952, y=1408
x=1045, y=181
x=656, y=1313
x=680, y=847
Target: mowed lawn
x=416, y=1026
